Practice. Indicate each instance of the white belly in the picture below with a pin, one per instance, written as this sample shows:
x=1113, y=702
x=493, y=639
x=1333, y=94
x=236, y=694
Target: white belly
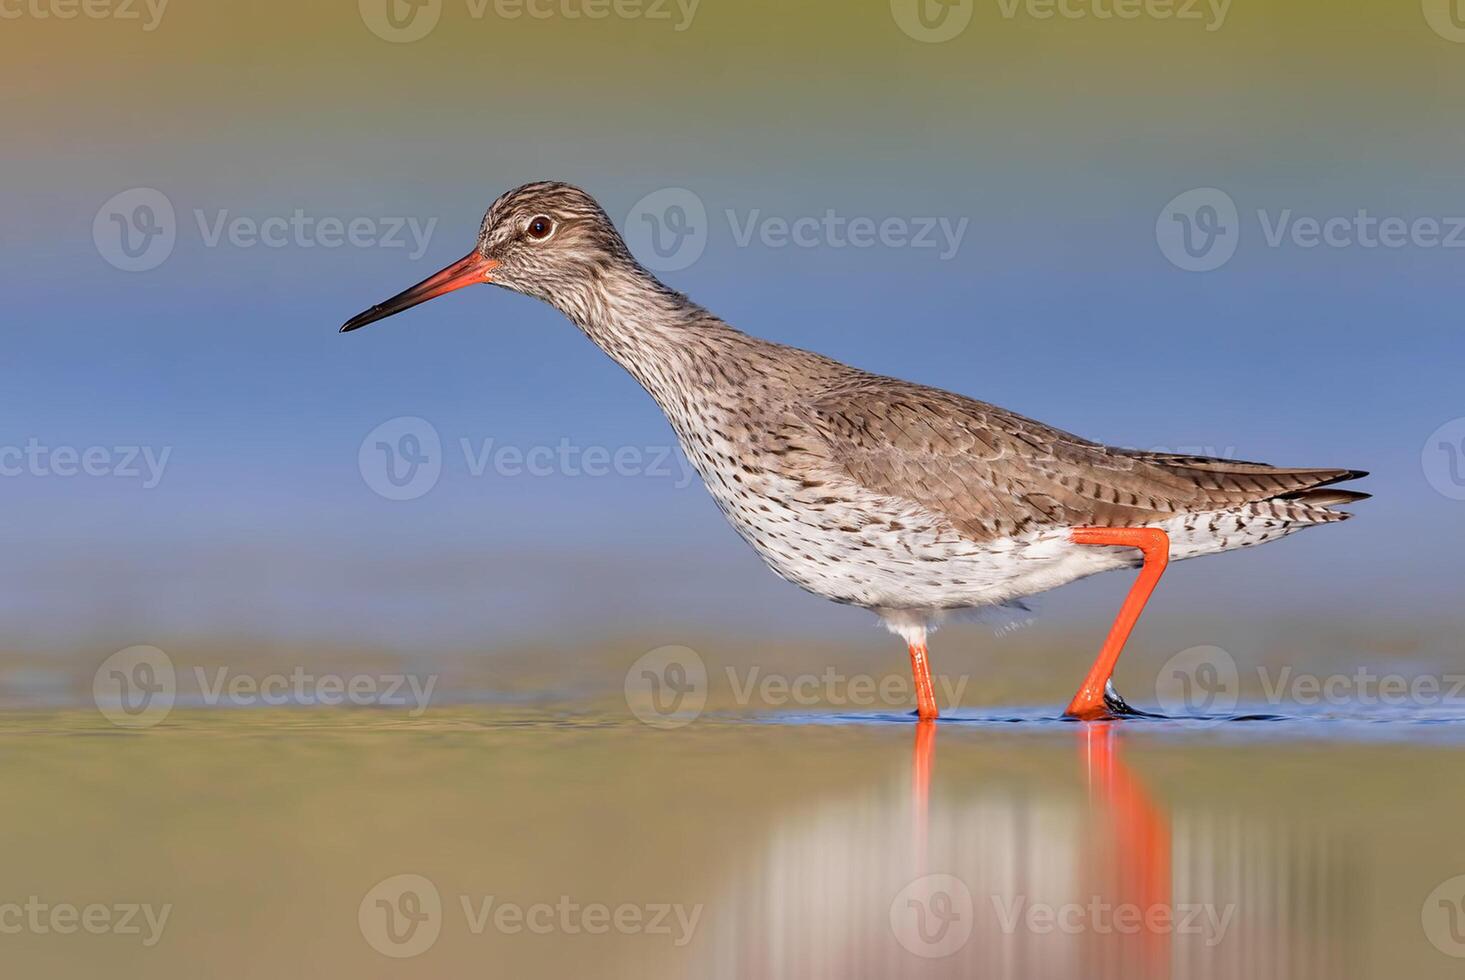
x=910, y=559
x=846, y=544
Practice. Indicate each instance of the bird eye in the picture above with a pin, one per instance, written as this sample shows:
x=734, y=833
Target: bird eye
x=540, y=227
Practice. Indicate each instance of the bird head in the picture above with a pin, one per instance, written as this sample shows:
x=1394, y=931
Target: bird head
x=546, y=239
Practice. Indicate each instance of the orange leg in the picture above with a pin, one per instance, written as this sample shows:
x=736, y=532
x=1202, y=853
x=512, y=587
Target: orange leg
x=1090, y=702
x=925, y=693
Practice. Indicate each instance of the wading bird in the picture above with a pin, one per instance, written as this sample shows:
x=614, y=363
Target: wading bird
x=906, y=500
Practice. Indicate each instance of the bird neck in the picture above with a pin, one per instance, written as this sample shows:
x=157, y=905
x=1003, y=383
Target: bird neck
x=651, y=330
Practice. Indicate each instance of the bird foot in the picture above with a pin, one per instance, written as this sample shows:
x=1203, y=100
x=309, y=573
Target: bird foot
x=1117, y=705
x=1110, y=707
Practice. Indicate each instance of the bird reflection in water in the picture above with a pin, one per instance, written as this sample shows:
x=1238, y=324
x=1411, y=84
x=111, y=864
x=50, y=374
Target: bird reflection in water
x=1073, y=868
x=1127, y=858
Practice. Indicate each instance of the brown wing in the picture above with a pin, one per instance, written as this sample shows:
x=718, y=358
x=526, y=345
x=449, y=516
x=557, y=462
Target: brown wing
x=993, y=473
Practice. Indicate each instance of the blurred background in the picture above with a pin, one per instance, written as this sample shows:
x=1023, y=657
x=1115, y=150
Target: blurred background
x=197, y=195
x=1223, y=227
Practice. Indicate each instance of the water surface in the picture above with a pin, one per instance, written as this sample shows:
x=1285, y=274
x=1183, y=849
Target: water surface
x=571, y=840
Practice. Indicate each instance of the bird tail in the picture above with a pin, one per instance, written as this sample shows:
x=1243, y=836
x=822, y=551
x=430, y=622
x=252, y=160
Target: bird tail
x=1312, y=492
x=1327, y=497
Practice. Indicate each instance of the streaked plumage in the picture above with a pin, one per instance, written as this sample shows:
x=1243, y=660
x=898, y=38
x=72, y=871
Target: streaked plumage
x=868, y=490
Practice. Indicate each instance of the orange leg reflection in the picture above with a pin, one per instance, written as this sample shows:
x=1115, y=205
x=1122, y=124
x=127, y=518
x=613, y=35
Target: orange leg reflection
x=922, y=758
x=1126, y=858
